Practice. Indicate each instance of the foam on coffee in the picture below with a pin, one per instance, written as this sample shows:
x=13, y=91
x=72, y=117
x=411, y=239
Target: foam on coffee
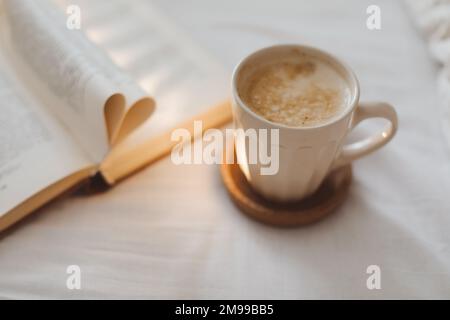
x=301, y=93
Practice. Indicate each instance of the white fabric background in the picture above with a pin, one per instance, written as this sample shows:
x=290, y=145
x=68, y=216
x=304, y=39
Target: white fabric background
x=172, y=232
x=433, y=19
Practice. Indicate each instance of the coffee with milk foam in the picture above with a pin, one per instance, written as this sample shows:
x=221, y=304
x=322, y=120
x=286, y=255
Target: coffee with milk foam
x=306, y=92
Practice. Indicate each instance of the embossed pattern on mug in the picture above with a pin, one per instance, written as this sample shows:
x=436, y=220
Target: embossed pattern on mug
x=305, y=93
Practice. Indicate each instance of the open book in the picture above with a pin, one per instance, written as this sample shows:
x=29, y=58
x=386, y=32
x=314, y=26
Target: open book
x=103, y=99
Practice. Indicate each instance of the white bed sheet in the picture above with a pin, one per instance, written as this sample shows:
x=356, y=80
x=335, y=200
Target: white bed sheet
x=172, y=232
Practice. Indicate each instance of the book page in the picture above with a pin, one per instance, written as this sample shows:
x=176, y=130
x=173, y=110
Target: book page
x=74, y=79
x=35, y=151
x=184, y=80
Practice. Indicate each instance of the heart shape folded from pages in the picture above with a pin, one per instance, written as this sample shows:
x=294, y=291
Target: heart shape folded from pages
x=121, y=121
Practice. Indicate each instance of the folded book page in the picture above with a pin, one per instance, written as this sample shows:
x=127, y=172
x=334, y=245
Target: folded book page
x=97, y=102
x=185, y=81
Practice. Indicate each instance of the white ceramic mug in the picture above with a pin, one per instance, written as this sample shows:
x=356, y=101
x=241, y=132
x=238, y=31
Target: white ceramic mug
x=306, y=154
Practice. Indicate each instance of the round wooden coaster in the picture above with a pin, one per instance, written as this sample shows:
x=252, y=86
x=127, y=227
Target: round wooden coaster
x=323, y=202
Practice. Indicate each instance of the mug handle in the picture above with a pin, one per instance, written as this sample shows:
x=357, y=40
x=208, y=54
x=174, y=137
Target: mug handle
x=367, y=145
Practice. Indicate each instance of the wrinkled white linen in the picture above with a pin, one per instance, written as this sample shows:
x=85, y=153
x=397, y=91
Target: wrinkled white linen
x=433, y=19
x=171, y=231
